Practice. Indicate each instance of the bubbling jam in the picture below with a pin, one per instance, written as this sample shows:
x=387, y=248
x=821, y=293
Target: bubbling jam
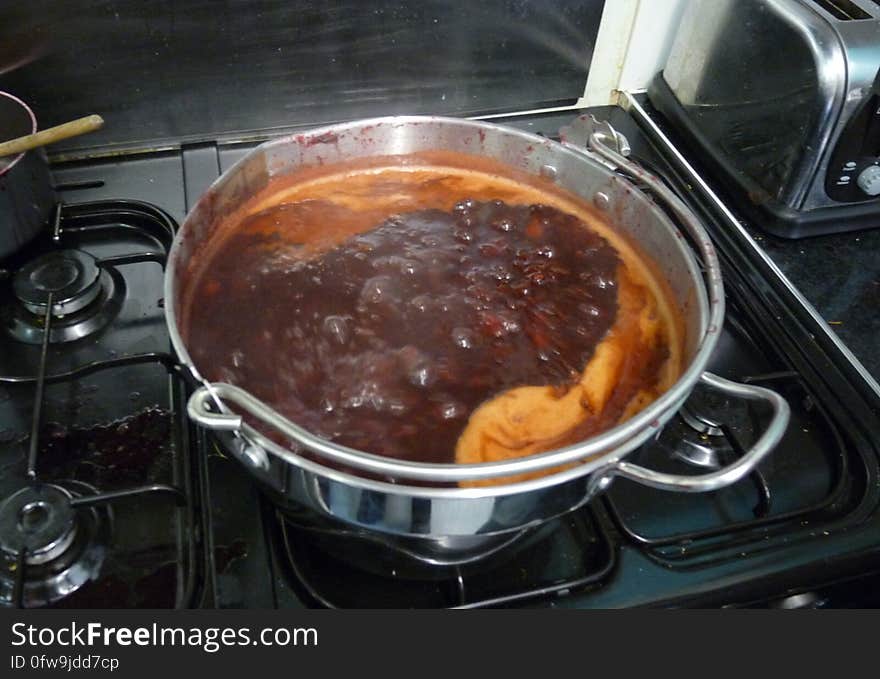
x=409, y=337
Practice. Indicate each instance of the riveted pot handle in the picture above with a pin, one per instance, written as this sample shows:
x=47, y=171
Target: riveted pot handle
x=200, y=410
x=599, y=140
x=720, y=478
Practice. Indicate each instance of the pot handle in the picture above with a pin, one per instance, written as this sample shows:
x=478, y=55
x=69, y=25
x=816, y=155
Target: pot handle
x=601, y=478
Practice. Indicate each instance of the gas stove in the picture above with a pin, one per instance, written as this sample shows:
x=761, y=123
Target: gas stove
x=110, y=497
x=99, y=506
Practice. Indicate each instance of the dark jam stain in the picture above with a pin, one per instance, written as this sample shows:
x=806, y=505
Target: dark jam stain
x=155, y=588
x=128, y=451
x=226, y=555
x=388, y=342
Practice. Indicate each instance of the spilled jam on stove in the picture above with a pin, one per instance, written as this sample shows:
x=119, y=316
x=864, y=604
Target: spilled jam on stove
x=390, y=338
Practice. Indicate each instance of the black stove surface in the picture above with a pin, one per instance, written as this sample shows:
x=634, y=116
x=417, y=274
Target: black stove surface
x=807, y=520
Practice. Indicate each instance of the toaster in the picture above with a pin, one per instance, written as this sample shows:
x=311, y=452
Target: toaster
x=780, y=99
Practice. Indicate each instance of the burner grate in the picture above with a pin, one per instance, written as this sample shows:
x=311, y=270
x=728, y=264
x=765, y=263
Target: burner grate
x=57, y=532
x=808, y=478
x=341, y=570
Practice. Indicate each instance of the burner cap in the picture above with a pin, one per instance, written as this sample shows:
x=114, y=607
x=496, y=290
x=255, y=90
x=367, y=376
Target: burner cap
x=70, y=275
x=38, y=519
x=699, y=435
x=79, y=308
x=700, y=422
x=64, y=546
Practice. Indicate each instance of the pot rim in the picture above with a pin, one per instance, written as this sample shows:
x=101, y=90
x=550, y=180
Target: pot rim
x=12, y=163
x=456, y=492
x=603, y=449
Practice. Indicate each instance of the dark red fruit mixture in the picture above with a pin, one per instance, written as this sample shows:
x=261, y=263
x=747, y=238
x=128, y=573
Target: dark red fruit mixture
x=388, y=342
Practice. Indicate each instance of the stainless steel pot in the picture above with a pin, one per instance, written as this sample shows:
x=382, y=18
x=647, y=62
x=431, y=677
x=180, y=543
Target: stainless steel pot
x=433, y=518
x=26, y=195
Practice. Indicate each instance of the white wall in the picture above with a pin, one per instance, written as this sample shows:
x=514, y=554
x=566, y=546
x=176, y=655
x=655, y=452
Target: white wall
x=633, y=42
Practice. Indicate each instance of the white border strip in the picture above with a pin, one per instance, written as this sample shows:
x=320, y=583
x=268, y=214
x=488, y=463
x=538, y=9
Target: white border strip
x=610, y=53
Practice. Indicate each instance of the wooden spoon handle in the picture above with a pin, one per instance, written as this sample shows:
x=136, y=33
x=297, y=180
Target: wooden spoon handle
x=50, y=136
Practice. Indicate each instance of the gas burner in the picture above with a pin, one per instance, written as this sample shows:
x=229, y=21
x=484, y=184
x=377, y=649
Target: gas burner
x=699, y=435
x=85, y=297
x=708, y=411
x=59, y=547
x=39, y=520
x=699, y=422
x=685, y=439
x=70, y=275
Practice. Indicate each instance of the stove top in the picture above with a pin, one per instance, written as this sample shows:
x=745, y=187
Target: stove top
x=111, y=498
x=97, y=485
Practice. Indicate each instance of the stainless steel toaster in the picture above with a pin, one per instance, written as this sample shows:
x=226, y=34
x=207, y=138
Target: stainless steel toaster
x=781, y=99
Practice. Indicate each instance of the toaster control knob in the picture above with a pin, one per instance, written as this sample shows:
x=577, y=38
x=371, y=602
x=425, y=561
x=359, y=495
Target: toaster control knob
x=869, y=180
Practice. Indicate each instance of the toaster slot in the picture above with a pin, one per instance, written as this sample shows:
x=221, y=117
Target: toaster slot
x=843, y=10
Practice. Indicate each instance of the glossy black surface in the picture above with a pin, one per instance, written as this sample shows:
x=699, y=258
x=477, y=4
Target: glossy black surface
x=807, y=522
x=200, y=71
x=840, y=275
